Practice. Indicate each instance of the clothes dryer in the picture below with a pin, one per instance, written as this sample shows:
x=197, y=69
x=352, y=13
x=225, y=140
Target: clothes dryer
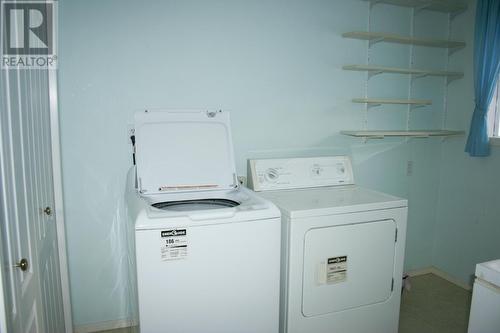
x=342, y=246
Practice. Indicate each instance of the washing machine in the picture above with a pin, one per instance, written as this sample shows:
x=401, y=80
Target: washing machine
x=342, y=246
x=207, y=251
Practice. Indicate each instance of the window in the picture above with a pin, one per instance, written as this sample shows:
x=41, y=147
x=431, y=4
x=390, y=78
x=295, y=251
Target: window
x=494, y=116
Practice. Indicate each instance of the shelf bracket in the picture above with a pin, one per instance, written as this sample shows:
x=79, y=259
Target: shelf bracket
x=373, y=73
x=372, y=105
x=452, y=50
x=374, y=137
x=418, y=76
x=416, y=106
x=374, y=41
x=450, y=79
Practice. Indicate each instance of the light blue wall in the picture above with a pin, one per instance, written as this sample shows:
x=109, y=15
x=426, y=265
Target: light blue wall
x=275, y=65
x=468, y=218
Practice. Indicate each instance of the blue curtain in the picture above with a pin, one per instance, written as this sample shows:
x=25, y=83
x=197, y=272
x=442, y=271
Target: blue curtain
x=486, y=70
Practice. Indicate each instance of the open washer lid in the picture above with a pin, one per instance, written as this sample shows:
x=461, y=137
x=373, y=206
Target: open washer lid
x=182, y=151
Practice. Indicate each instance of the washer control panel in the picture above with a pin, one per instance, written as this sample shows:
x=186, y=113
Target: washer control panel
x=288, y=173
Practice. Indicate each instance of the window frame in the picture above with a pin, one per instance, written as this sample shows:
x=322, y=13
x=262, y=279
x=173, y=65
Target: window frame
x=494, y=116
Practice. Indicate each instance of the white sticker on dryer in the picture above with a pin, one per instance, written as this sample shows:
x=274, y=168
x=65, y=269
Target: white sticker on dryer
x=336, y=270
x=173, y=244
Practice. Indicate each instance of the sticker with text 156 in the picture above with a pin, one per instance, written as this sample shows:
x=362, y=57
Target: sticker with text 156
x=173, y=244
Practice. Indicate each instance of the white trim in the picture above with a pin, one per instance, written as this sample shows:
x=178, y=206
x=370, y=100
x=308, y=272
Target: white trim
x=495, y=140
x=58, y=199
x=418, y=272
x=3, y=287
x=105, y=325
x=3, y=312
x=442, y=274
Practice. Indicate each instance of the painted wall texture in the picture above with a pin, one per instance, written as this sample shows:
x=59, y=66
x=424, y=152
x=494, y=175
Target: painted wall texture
x=277, y=67
x=468, y=216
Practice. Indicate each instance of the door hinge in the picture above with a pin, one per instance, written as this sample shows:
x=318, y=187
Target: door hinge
x=396, y=236
x=392, y=284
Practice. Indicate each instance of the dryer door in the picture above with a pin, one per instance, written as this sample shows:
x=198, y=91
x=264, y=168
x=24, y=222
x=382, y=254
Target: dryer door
x=348, y=266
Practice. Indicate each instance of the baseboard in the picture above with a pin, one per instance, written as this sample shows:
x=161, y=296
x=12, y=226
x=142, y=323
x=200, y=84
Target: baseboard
x=104, y=326
x=442, y=274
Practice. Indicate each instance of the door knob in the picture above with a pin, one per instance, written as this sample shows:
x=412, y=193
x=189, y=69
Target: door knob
x=23, y=264
x=48, y=210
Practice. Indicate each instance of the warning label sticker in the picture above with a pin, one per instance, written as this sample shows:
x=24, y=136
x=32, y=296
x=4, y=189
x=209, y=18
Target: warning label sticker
x=336, y=270
x=173, y=244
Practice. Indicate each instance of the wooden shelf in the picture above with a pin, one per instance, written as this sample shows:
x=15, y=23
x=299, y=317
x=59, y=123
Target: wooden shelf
x=376, y=37
x=374, y=70
x=403, y=133
x=380, y=101
x=446, y=6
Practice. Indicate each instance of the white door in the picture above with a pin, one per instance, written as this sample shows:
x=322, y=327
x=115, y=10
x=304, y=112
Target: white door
x=32, y=290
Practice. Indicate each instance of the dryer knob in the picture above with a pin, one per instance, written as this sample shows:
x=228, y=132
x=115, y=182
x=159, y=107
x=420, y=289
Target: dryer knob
x=272, y=175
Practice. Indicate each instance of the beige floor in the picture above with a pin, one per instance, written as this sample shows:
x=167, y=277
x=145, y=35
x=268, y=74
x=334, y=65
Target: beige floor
x=433, y=305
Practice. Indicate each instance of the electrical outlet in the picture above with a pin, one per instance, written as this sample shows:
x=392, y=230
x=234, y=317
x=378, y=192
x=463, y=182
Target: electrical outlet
x=242, y=180
x=409, y=168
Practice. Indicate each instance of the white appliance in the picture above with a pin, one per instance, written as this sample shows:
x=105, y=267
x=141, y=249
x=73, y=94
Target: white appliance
x=207, y=251
x=485, y=305
x=342, y=246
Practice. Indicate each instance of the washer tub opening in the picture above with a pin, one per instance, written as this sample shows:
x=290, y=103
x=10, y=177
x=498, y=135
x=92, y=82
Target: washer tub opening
x=193, y=205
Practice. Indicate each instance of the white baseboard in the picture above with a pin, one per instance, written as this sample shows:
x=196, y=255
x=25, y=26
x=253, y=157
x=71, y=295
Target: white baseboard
x=442, y=274
x=104, y=326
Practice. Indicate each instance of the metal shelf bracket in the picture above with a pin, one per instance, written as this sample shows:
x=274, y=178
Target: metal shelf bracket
x=373, y=73
x=416, y=106
x=374, y=41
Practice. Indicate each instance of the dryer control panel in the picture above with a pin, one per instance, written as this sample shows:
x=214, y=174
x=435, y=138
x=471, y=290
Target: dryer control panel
x=289, y=173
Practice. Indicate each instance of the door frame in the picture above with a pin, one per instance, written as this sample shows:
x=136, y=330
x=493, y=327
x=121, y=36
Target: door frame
x=58, y=197
x=59, y=213
x=3, y=310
